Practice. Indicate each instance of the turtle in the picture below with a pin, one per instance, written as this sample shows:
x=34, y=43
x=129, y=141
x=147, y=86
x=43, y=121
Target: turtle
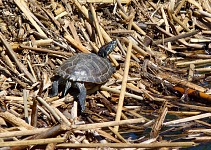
x=82, y=70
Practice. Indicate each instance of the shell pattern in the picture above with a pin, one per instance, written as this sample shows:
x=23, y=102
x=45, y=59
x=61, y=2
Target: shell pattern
x=85, y=67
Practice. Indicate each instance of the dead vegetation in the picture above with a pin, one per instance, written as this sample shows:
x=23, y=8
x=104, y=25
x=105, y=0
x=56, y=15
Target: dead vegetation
x=158, y=97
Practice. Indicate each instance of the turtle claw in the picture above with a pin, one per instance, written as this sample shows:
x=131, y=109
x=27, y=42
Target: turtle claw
x=81, y=95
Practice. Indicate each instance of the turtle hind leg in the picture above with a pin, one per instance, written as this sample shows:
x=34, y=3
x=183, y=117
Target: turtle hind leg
x=54, y=89
x=82, y=94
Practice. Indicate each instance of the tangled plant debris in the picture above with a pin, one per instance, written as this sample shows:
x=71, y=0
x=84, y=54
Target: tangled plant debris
x=158, y=97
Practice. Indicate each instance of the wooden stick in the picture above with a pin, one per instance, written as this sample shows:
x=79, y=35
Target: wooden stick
x=124, y=83
x=7, y=60
x=159, y=121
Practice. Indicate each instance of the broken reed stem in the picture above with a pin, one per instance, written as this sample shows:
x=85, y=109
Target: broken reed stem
x=177, y=37
x=96, y=24
x=191, y=72
x=166, y=24
x=187, y=119
x=120, y=6
x=103, y=1
x=105, y=88
x=200, y=131
x=180, y=23
x=22, y=133
x=46, y=50
x=14, y=56
x=176, y=80
x=8, y=117
x=76, y=44
x=63, y=118
x=107, y=124
x=176, y=11
x=32, y=142
x=124, y=84
x=159, y=121
x=105, y=35
x=7, y=60
x=135, y=26
x=194, y=62
x=201, y=108
x=136, y=48
x=204, y=13
x=51, y=132
x=125, y=145
x=28, y=15
x=2, y=130
x=50, y=109
x=202, y=69
x=108, y=136
x=118, y=135
x=25, y=96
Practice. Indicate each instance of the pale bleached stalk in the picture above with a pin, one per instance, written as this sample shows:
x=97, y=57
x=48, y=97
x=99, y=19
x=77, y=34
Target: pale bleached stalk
x=187, y=119
x=107, y=124
x=126, y=145
x=33, y=142
x=124, y=83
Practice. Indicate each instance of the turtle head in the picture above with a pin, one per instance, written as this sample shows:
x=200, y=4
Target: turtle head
x=106, y=49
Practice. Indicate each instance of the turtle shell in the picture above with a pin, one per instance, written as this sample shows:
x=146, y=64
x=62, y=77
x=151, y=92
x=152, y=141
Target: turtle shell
x=85, y=67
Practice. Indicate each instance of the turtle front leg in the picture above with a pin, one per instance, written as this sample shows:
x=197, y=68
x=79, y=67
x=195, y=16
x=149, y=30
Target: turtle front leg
x=67, y=87
x=54, y=90
x=82, y=95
